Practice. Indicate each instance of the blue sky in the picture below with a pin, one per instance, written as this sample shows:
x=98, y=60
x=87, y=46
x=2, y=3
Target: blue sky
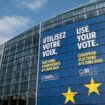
x=17, y=16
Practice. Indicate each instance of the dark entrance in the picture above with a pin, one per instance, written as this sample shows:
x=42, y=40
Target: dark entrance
x=12, y=101
x=22, y=102
x=5, y=102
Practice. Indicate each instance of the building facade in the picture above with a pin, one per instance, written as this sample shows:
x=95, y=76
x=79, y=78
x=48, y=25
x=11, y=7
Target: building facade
x=72, y=57
x=60, y=61
x=19, y=68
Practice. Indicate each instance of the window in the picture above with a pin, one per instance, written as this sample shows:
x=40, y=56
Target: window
x=33, y=70
x=32, y=85
x=20, y=45
x=57, y=24
x=34, y=63
x=26, y=65
x=79, y=17
x=35, y=39
x=33, y=77
x=79, y=11
x=35, y=50
x=1, y=83
x=1, y=89
x=68, y=15
x=12, y=48
x=24, y=77
x=58, y=18
x=16, y=73
x=14, y=88
x=67, y=21
x=90, y=8
x=101, y=11
x=25, y=72
x=19, y=54
x=8, y=82
x=3, y=75
x=11, y=57
x=27, y=52
x=24, y=86
x=7, y=90
x=31, y=101
x=28, y=42
x=47, y=27
x=101, y=5
x=91, y=14
x=8, y=75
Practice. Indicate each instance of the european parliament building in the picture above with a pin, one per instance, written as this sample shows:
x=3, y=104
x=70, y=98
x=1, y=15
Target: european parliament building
x=61, y=61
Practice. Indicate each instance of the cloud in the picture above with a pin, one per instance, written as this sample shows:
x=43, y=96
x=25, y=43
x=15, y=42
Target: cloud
x=11, y=25
x=34, y=4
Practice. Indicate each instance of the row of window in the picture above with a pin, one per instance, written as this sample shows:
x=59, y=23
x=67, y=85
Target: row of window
x=17, y=89
x=75, y=12
x=11, y=60
x=14, y=49
x=19, y=65
x=34, y=34
x=74, y=19
x=17, y=77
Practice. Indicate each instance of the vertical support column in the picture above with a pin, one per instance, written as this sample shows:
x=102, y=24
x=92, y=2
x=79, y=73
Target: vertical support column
x=36, y=94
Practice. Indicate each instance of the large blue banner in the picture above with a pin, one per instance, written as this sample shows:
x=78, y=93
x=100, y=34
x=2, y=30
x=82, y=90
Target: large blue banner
x=72, y=64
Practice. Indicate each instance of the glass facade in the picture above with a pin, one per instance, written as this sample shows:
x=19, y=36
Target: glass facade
x=19, y=67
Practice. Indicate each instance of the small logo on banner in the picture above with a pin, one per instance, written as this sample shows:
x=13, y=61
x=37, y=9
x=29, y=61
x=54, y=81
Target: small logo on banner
x=88, y=71
x=50, y=77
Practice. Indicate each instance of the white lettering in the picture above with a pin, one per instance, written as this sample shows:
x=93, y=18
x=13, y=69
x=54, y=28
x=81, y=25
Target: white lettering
x=85, y=38
x=49, y=52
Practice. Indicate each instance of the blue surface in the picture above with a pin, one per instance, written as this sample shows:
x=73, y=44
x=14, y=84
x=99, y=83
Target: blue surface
x=50, y=91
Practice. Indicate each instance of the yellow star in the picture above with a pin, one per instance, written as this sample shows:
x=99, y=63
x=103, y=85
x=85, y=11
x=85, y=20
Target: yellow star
x=69, y=96
x=93, y=87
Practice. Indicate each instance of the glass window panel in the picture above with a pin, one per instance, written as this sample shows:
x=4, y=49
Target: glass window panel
x=33, y=70
x=25, y=72
x=101, y=11
x=31, y=94
x=33, y=77
x=14, y=88
x=8, y=82
x=24, y=78
x=20, y=45
x=57, y=24
x=3, y=75
x=101, y=5
x=67, y=21
x=68, y=15
x=16, y=73
x=1, y=90
x=8, y=75
x=28, y=42
x=7, y=90
x=79, y=17
x=58, y=18
x=32, y=85
x=26, y=65
x=24, y=86
x=79, y=11
x=90, y=8
x=91, y=14
x=1, y=83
